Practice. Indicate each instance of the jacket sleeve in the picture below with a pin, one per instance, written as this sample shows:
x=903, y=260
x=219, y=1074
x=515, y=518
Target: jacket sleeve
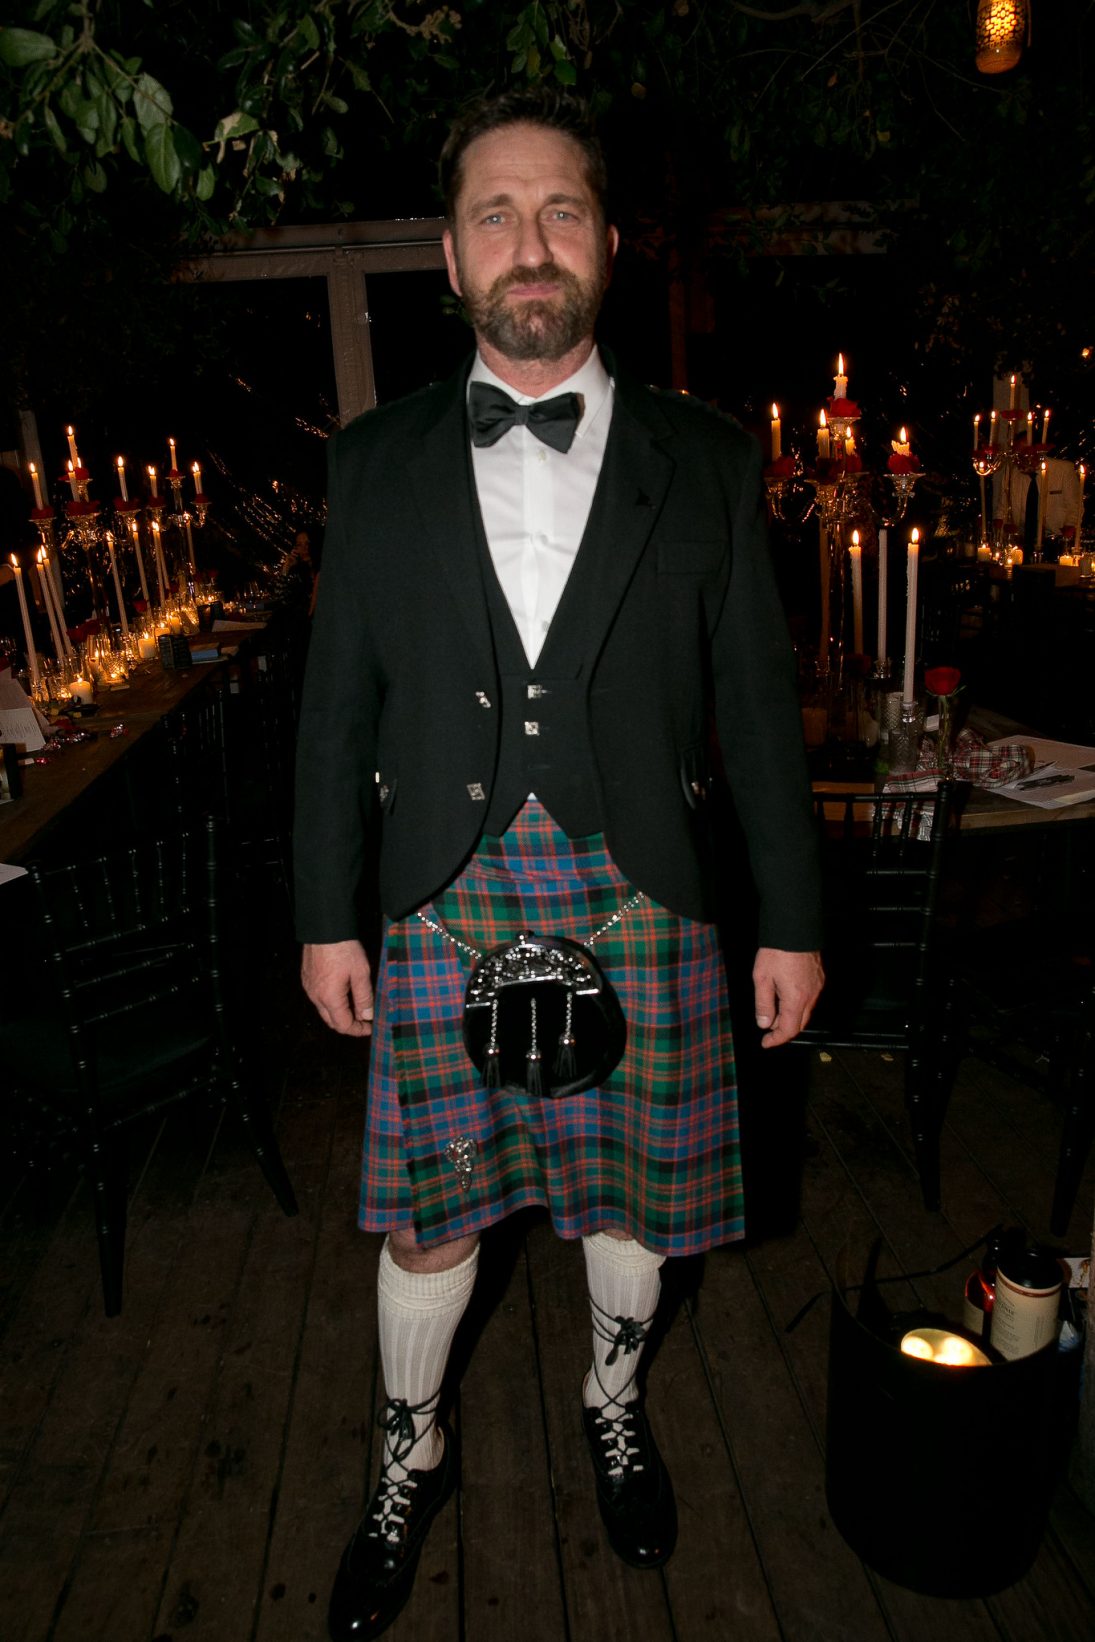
x=760, y=729
x=336, y=750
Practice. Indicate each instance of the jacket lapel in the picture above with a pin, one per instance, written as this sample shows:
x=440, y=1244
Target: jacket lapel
x=635, y=475
x=444, y=495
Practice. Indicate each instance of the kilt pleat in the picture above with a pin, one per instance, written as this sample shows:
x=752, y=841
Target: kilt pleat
x=652, y=1152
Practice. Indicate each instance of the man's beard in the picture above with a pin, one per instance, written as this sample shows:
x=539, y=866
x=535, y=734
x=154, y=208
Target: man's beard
x=532, y=329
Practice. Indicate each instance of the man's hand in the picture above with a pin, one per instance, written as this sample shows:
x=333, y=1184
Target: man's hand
x=786, y=986
x=337, y=978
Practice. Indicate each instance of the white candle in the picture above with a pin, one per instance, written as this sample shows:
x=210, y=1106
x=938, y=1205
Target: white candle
x=1043, y=492
x=1011, y=393
x=883, y=592
x=117, y=581
x=902, y=447
x=195, y=469
x=28, y=636
x=153, y=480
x=992, y=430
x=171, y=448
x=190, y=547
x=73, y=452
x=136, y=533
x=121, y=479
x=777, y=441
x=146, y=646
x=976, y=431
x=823, y=437
x=72, y=483
x=37, y=486
x=47, y=600
x=913, y=570
x=1045, y=427
x=1082, y=474
x=855, y=553
x=82, y=690
x=161, y=568
x=59, y=598
x=1030, y=427
x=840, y=381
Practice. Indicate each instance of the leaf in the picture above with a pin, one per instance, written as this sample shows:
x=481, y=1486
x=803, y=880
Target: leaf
x=188, y=148
x=233, y=125
x=19, y=47
x=53, y=128
x=337, y=104
x=128, y=133
x=151, y=103
x=86, y=119
x=207, y=181
x=308, y=31
x=95, y=177
x=163, y=162
x=566, y=74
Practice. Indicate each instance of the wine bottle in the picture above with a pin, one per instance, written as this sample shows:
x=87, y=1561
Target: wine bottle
x=980, y=1294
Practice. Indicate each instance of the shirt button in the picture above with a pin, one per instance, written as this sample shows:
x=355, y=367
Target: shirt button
x=532, y=726
x=482, y=698
x=541, y=454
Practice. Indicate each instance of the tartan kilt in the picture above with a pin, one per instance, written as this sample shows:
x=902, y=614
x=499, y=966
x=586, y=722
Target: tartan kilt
x=652, y=1152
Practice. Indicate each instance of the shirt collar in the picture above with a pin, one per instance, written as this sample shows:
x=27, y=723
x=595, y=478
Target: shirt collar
x=591, y=382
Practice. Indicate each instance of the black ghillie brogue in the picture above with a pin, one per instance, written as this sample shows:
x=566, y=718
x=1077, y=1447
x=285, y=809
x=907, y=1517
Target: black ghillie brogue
x=376, y=1574
x=634, y=1492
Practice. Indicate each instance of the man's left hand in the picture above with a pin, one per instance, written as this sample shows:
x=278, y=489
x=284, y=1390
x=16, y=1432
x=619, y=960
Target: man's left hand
x=786, y=986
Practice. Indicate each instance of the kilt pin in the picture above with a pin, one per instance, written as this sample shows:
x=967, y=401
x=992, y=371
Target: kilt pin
x=653, y=1152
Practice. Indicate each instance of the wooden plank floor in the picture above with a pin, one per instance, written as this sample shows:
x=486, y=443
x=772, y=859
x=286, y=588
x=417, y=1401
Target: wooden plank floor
x=192, y=1468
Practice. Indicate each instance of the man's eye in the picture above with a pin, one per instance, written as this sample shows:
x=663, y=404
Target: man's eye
x=493, y=216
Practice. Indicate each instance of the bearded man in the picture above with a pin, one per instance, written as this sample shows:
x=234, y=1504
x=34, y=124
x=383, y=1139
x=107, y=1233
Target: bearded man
x=542, y=585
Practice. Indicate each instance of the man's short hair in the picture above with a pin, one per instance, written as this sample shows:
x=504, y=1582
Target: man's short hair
x=544, y=105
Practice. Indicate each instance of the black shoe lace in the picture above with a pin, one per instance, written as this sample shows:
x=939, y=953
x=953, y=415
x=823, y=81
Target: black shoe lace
x=390, y=1503
x=393, y=1497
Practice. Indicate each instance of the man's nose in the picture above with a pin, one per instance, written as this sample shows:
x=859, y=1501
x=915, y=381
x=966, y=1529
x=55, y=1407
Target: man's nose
x=532, y=247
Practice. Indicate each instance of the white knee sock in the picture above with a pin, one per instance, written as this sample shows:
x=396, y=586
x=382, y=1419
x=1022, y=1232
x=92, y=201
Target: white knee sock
x=624, y=1284
x=417, y=1312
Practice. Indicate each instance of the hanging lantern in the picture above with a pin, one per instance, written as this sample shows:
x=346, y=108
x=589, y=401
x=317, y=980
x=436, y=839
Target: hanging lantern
x=1002, y=30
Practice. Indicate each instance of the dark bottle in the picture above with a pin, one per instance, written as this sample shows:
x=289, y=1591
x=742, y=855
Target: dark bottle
x=980, y=1296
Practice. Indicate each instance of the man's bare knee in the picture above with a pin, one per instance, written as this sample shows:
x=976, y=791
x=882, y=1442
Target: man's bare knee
x=408, y=1256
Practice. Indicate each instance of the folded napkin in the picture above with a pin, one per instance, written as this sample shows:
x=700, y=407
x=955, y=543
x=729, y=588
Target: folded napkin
x=973, y=761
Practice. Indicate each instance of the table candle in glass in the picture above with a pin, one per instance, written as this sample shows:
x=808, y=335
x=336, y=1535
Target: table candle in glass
x=855, y=554
x=912, y=575
x=883, y=594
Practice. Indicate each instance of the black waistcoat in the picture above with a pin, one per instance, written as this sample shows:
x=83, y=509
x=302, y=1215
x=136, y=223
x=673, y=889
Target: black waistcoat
x=544, y=743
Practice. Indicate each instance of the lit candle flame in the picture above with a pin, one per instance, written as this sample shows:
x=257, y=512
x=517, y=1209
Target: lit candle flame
x=840, y=364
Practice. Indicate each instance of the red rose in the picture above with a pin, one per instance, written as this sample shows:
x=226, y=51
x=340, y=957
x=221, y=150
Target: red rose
x=942, y=681
x=903, y=464
x=847, y=408
x=783, y=468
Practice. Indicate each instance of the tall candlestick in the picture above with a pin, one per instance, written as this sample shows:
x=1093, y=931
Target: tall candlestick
x=135, y=531
x=47, y=600
x=912, y=573
x=840, y=381
x=984, y=510
x=992, y=430
x=171, y=449
x=1045, y=427
x=28, y=635
x=1076, y=545
x=73, y=452
x=153, y=480
x=1030, y=427
x=117, y=582
x=121, y=479
x=195, y=468
x=190, y=548
x=855, y=553
x=777, y=440
x=826, y=625
x=1043, y=492
x=59, y=598
x=72, y=483
x=976, y=431
x=823, y=438
x=37, y=485
x=883, y=594
x=1012, y=392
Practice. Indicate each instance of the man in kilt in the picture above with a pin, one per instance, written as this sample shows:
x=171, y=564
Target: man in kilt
x=543, y=584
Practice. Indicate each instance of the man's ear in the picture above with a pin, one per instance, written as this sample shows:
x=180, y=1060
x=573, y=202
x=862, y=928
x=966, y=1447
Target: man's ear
x=450, y=259
x=612, y=245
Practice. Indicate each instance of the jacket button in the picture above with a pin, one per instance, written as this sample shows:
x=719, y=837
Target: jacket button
x=475, y=791
x=482, y=698
x=532, y=726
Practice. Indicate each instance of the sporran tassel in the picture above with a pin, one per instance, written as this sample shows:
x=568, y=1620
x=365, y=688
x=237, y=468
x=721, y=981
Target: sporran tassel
x=566, y=1064
x=534, y=1082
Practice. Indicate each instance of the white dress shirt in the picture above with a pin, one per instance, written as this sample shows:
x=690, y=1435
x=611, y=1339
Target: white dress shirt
x=535, y=501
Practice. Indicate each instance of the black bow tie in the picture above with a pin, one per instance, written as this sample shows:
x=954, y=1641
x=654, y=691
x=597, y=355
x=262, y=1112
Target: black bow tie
x=492, y=413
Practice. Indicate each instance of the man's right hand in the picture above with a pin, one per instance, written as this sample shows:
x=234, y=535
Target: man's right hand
x=337, y=978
